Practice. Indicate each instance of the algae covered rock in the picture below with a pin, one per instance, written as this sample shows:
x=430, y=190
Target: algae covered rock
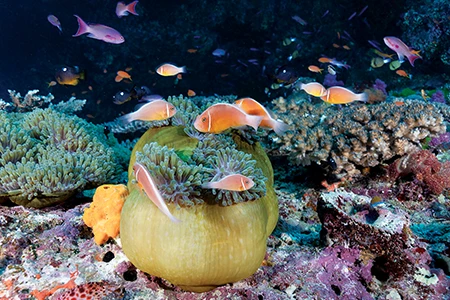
x=47, y=156
x=222, y=234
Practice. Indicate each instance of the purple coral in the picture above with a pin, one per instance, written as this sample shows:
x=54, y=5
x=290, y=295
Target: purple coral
x=439, y=140
x=380, y=85
x=330, y=80
x=438, y=96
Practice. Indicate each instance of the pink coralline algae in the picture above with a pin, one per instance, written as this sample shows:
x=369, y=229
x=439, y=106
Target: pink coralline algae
x=426, y=168
x=382, y=236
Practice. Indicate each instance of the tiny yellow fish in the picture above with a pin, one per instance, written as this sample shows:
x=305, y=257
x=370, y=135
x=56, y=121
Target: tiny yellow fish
x=394, y=65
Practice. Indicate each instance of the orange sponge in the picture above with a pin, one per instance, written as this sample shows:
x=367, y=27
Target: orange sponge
x=103, y=215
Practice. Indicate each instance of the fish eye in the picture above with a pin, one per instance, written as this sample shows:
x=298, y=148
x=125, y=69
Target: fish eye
x=172, y=108
x=204, y=119
x=64, y=69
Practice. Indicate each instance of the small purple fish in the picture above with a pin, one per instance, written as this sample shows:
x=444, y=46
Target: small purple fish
x=363, y=10
x=325, y=13
x=123, y=9
x=54, y=21
x=351, y=17
x=375, y=44
x=99, y=32
x=219, y=52
x=299, y=20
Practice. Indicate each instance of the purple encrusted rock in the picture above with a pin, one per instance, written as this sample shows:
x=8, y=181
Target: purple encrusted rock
x=349, y=219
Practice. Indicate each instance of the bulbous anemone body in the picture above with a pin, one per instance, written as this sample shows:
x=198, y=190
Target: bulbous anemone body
x=214, y=244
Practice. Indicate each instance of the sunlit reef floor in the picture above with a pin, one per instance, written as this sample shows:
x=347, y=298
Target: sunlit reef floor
x=42, y=247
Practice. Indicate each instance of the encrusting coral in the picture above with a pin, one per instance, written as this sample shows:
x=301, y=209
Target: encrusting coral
x=356, y=136
x=103, y=215
x=48, y=156
x=380, y=233
x=222, y=235
x=426, y=168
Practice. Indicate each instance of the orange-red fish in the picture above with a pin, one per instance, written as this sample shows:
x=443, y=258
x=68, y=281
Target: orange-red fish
x=170, y=70
x=315, y=69
x=192, y=50
x=191, y=93
x=146, y=182
x=233, y=182
x=403, y=74
x=123, y=75
x=336, y=45
x=156, y=110
x=340, y=95
x=52, y=83
x=324, y=59
x=314, y=89
x=222, y=116
x=346, y=47
x=254, y=108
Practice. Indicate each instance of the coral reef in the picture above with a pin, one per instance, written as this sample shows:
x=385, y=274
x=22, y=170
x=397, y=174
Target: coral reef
x=354, y=137
x=426, y=168
x=48, y=156
x=384, y=237
x=222, y=234
x=103, y=215
x=426, y=28
x=30, y=101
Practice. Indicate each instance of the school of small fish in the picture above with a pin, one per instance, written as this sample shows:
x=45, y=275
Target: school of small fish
x=244, y=112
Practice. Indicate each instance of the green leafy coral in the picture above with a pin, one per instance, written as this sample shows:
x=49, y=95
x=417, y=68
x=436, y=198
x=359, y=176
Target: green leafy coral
x=47, y=156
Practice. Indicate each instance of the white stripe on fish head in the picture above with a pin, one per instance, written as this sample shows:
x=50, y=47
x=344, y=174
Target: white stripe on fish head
x=243, y=184
x=209, y=121
x=167, y=110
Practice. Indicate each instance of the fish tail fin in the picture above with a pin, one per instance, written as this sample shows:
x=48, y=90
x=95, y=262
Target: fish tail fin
x=412, y=58
x=126, y=119
x=346, y=66
x=208, y=185
x=254, y=121
x=82, y=27
x=183, y=69
x=363, y=97
x=279, y=127
x=82, y=75
x=132, y=8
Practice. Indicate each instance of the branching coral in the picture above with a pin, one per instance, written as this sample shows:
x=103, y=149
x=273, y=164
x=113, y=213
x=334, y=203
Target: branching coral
x=47, y=156
x=356, y=136
x=30, y=101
